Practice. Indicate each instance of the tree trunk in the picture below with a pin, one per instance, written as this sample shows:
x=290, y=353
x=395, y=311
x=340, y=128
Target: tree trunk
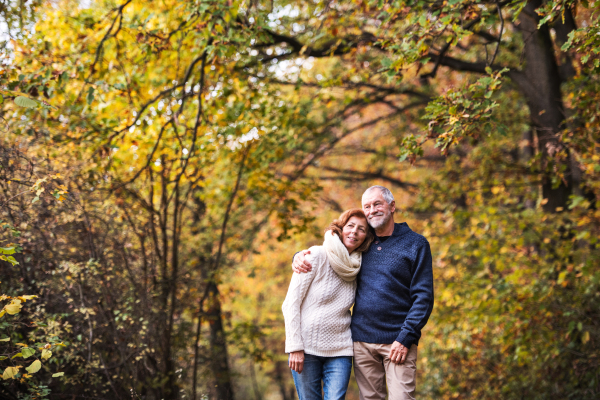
x=540, y=83
x=281, y=368
x=218, y=347
x=562, y=29
x=257, y=394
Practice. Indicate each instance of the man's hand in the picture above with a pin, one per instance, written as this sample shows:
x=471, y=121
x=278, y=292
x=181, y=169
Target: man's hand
x=398, y=353
x=296, y=362
x=300, y=265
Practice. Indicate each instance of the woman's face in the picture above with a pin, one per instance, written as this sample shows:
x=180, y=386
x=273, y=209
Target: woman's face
x=354, y=233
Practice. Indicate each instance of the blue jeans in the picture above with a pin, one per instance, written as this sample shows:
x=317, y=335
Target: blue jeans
x=333, y=371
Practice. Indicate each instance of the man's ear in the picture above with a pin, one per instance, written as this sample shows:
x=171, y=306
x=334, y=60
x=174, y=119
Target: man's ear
x=393, y=206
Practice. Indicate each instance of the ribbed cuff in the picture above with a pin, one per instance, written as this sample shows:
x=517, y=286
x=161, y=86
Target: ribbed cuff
x=290, y=347
x=405, y=338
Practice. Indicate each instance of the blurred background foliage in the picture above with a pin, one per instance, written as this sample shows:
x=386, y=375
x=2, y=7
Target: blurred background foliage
x=161, y=162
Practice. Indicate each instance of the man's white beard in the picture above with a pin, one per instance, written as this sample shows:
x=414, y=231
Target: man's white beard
x=382, y=218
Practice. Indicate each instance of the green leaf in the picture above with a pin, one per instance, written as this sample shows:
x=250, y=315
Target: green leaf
x=56, y=375
x=386, y=62
x=7, y=339
x=90, y=95
x=27, y=352
x=26, y=102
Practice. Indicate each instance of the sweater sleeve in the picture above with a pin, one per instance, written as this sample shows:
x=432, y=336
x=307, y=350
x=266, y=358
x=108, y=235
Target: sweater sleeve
x=421, y=294
x=292, y=304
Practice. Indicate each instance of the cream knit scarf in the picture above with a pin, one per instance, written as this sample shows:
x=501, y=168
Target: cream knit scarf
x=345, y=265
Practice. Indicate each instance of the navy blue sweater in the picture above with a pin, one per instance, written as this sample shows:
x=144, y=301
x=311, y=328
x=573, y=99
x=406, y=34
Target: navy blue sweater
x=394, y=294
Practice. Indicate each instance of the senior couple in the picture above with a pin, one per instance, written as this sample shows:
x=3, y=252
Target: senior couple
x=384, y=270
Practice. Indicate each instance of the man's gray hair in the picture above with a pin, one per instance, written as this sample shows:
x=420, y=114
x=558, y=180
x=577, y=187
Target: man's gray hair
x=385, y=192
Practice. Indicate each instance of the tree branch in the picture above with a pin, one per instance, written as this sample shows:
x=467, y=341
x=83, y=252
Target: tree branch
x=500, y=37
x=333, y=47
x=314, y=156
x=352, y=175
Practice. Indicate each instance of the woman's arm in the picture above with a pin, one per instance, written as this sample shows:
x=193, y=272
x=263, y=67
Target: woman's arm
x=297, y=291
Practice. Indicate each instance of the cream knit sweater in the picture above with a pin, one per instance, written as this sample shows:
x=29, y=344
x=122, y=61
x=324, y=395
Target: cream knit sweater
x=317, y=310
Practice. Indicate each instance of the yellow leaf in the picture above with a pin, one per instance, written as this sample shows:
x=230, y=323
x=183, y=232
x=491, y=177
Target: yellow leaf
x=24, y=298
x=13, y=308
x=585, y=337
x=40, y=181
x=21, y=344
x=46, y=354
x=34, y=367
x=10, y=372
x=562, y=276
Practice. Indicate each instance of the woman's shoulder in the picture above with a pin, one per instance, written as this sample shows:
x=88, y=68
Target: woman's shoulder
x=317, y=255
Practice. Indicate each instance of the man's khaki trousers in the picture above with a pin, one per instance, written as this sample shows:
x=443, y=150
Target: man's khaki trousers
x=373, y=369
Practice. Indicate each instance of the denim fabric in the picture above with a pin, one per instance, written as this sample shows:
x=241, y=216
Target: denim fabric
x=333, y=371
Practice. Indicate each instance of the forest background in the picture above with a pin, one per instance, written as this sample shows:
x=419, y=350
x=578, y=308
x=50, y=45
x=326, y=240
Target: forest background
x=162, y=161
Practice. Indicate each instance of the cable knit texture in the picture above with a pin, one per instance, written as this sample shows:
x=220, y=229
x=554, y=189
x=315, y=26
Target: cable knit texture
x=317, y=310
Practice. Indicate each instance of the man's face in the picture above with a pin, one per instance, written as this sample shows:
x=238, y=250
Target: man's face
x=377, y=210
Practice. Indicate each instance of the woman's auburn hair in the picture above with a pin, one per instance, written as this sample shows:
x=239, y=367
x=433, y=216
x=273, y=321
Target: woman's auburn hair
x=337, y=226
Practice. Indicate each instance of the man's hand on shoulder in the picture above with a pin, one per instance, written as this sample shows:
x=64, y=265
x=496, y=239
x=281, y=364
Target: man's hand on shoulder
x=398, y=353
x=300, y=265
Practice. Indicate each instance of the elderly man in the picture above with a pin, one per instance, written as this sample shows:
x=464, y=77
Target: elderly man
x=394, y=298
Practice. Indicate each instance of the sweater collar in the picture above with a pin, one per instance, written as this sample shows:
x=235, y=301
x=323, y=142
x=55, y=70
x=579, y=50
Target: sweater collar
x=400, y=229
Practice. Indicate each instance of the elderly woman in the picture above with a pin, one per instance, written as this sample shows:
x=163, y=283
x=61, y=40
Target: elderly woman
x=317, y=310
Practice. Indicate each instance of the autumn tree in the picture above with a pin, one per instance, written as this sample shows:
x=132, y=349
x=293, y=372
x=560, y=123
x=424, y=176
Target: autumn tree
x=189, y=134
x=171, y=172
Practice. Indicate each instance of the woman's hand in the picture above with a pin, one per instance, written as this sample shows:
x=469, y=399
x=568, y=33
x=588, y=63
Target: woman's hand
x=296, y=362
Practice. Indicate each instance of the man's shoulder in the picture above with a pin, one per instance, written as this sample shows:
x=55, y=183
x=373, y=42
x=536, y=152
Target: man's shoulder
x=418, y=239
x=415, y=238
